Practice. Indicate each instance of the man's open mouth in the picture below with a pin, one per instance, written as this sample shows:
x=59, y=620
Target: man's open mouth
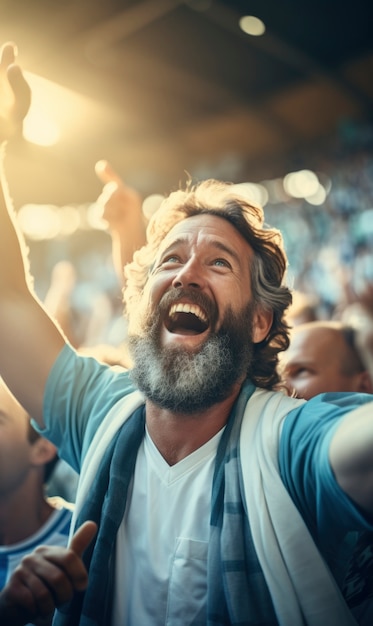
x=186, y=319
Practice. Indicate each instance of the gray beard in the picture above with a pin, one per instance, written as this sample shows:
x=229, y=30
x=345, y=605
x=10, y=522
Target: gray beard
x=189, y=382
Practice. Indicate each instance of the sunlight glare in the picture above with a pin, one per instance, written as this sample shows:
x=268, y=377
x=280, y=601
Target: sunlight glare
x=301, y=184
x=252, y=25
x=252, y=191
x=39, y=221
x=55, y=111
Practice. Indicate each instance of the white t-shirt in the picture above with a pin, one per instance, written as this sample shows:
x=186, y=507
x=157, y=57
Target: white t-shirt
x=161, y=548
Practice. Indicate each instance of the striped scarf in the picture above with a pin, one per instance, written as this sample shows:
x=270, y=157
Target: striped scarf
x=237, y=593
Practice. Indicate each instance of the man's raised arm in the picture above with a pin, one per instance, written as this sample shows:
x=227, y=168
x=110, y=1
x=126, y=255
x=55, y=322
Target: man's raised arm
x=351, y=451
x=29, y=340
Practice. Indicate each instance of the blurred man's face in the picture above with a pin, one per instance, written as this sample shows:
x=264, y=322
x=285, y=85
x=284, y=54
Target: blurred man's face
x=316, y=361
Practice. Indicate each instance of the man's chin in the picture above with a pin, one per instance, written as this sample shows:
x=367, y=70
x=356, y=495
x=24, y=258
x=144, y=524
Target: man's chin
x=187, y=373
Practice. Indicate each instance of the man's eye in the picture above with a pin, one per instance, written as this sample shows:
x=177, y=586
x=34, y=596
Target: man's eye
x=302, y=371
x=172, y=258
x=221, y=263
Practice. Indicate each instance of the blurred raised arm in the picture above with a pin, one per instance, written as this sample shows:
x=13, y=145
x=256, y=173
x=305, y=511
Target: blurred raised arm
x=122, y=209
x=29, y=340
x=351, y=451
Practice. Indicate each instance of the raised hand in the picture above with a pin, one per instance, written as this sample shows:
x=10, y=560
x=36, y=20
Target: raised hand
x=15, y=94
x=119, y=200
x=45, y=579
x=122, y=209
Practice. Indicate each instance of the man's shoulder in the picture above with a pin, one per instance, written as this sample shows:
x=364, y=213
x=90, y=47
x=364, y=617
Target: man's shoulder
x=273, y=400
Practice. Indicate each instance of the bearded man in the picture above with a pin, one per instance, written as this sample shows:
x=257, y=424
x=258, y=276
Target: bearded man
x=216, y=499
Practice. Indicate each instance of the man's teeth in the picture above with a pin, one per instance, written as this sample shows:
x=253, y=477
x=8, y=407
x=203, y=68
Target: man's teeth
x=188, y=308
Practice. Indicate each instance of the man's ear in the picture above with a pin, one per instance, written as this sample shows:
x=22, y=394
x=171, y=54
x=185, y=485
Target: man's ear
x=262, y=322
x=43, y=451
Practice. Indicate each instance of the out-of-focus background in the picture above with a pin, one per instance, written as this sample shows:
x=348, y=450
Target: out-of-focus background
x=273, y=94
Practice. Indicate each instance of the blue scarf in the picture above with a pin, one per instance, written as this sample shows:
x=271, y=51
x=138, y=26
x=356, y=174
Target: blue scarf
x=237, y=593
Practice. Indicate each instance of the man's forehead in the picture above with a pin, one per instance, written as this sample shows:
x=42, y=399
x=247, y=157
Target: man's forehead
x=202, y=226
x=314, y=343
x=314, y=335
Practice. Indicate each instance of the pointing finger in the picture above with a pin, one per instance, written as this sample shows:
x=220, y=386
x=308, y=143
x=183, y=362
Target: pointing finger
x=21, y=91
x=83, y=537
x=8, y=53
x=106, y=173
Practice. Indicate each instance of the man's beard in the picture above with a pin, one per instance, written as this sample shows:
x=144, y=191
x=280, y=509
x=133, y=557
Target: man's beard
x=187, y=382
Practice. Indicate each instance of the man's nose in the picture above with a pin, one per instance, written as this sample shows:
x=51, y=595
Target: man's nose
x=189, y=275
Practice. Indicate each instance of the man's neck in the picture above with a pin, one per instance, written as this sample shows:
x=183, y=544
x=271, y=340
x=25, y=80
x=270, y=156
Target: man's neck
x=176, y=435
x=22, y=516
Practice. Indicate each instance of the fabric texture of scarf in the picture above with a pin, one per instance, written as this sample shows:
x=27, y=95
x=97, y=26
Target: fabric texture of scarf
x=237, y=591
